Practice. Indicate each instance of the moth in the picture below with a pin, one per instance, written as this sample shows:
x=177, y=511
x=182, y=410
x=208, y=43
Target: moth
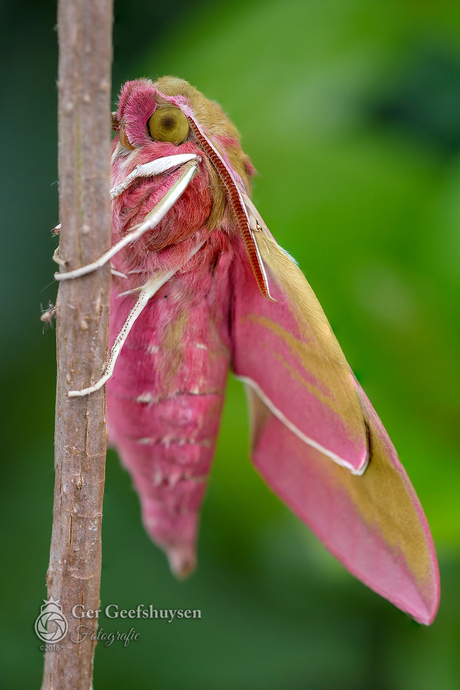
x=200, y=286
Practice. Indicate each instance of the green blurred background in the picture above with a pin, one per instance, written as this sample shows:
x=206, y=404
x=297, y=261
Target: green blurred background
x=350, y=111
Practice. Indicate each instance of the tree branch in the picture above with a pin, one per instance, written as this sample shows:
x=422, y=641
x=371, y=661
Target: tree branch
x=85, y=53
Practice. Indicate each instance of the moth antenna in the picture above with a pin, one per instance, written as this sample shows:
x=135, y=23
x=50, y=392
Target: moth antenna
x=151, y=221
x=236, y=198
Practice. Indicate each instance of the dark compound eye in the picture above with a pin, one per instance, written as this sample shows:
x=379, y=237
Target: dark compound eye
x=168, y=124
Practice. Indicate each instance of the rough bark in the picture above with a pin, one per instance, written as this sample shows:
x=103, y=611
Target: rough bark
x=85, y=54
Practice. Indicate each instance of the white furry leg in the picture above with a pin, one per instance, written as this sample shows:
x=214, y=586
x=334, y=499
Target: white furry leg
x=150, y=221
x=147, y=292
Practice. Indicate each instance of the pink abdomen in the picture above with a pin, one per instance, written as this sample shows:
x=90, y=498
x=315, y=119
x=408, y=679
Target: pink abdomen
x=164, y=404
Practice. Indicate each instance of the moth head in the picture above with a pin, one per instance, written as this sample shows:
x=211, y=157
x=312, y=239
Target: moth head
x=169, y=117
x=165, y=111
x=153, y=115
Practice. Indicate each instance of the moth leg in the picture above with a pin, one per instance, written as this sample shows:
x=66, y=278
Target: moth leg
x=57, y=259
x=149, y=289
x=114, y=272
x=151, y=221
x=147, y=292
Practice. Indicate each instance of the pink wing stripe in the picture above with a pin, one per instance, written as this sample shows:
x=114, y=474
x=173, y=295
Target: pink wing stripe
x=318, y=492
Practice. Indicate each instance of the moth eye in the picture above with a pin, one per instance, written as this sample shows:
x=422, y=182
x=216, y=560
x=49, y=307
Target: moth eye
x=124, y=139
x=168, y=124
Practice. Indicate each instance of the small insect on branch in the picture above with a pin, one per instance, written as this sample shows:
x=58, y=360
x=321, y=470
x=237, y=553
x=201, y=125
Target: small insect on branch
x=82, y=312
x=48, y=315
